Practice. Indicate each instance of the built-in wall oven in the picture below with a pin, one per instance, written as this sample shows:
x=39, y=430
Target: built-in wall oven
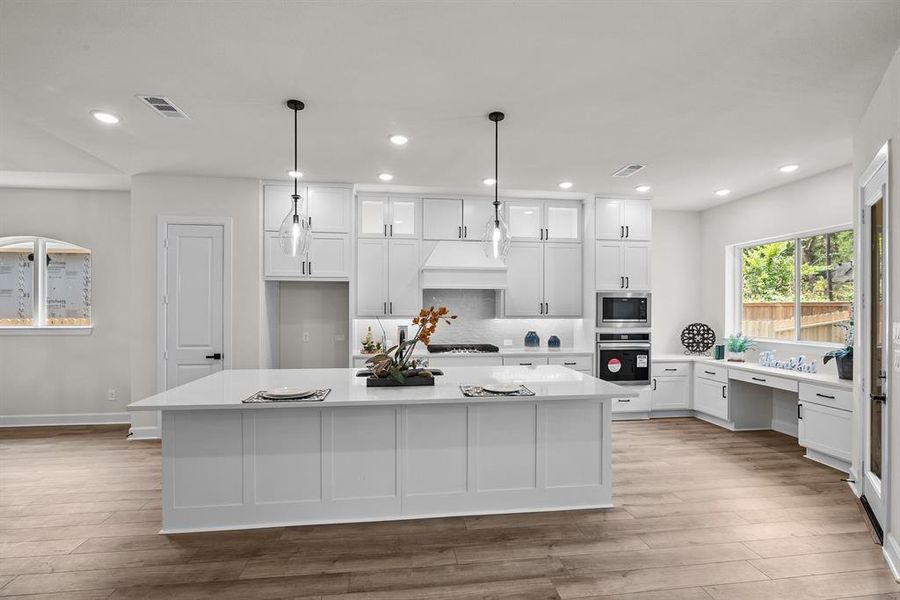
x=623, y=309
x=624, y=358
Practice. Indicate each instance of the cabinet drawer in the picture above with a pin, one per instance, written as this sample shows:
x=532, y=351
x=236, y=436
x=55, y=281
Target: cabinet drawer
x=626, y=405
x=714, y=372
x=670, y=369
x=464, y=361
x=781, y=383
x=579, y=363
x=826, y=396
x=524, y=361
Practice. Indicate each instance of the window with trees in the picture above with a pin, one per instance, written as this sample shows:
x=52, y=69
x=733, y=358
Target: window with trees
x=44, y=284
x=798, y=288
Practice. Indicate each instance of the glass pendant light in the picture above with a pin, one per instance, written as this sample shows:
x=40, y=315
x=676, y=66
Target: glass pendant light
x=496, y=239
x=294, y=231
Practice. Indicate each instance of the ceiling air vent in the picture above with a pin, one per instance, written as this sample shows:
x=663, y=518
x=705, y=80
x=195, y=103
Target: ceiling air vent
x=164, y=107
x=628, y=170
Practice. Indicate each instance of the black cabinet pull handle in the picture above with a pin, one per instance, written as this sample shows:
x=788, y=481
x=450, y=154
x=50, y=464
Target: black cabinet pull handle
x=310, y=267
x=824, y=396
x=459, y=232
x=654, y=384
x=392, y=230
x=569, y=364
x=724, y=391
x=216, y=356
x=623, y=400
x=758, y=379
x=799, y=411
x=710, y=372
x=627, y=231
x=546, y=308
x=384, y=310
x=390, y=308
x=465, y=231
x=622, y=283
x=627, y=282
x=621, y=231
x=525, y=364
x=303, y=267
x=385, y=230
x=671, y=369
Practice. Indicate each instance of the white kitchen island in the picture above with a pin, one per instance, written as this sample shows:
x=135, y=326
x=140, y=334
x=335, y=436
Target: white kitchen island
x=367, y=454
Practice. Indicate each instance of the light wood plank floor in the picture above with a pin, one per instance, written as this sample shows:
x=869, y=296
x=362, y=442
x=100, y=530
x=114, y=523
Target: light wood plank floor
x=702, y=513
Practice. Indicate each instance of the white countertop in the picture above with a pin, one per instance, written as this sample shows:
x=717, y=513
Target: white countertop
x=226, y=389
x=753, y=367
x=504, y=351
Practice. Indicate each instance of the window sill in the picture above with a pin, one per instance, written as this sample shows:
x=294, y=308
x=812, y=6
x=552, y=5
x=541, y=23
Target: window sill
x=54, y=330
x=822, y=345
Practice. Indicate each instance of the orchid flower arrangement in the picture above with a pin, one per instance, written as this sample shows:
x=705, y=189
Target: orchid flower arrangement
x=398, y=360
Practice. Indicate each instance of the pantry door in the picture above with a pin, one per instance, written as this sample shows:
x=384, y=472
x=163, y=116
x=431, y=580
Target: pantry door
x=194, y=302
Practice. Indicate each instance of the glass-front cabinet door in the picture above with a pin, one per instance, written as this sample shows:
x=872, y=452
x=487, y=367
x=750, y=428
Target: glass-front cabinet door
x=404, y=218
x=524, y=218
x=373, y=216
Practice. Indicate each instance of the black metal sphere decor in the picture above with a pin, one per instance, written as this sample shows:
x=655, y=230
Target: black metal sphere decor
x=698, y=338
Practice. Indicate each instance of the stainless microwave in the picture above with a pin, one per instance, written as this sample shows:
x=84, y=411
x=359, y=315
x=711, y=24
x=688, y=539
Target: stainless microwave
x=623, y=309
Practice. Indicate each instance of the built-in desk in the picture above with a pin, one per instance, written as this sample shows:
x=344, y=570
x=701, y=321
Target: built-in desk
x=816, y=408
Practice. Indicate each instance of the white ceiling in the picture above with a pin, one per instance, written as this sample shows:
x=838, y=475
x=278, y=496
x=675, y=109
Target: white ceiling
x=707, y=94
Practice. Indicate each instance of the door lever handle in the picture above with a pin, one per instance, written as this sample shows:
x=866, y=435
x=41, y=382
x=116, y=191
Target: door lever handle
x=879, y=398
x=216, y=356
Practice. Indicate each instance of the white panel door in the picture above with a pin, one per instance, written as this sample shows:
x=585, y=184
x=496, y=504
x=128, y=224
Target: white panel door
x=608, y=266
x=404, y=218
x=524, y=218
x=636, y=265
x=277, y=202
x=328, y=208
x=277, y=262
x=442, y=219
x=671, y=393
x=371, y=277
x=329, y=256
x=826, y=430
x=364, y=453
x=562, y=279
x=562, y=221
x=436, y=435
x=476, y=213
x=209, y=470
x=372, y=220
x=195, y=291
x=711, y=397
x=608, y=219
x=404, y=293
x=636, y=216
x=506, y=446
x=573, y=448
x=524, y=296
x=287, y=450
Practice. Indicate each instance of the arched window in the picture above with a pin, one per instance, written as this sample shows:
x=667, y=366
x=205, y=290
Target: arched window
x=44, y=284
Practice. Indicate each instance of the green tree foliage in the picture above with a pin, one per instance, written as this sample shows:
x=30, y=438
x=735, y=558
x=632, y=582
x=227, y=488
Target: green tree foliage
x=768, y=271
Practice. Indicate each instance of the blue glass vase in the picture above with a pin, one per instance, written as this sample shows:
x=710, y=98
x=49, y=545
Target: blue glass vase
x=553, y=342
x=532, y=340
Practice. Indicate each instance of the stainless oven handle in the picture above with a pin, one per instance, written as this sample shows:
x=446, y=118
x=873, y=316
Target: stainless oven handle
x=623, y=346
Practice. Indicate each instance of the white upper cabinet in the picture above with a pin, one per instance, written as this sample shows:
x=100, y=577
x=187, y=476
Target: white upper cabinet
x=387, y=280
x=524, y=295
x=622, y=219
x=476, y=213
x=622, y=266
x=278, y=264
x=562, y=221
x=388, y=217
x=562, y=280
x=327, y=206
x=442, y=218
x=329, y=256
x=371, y=277
x=404, y=293
x=544, y=220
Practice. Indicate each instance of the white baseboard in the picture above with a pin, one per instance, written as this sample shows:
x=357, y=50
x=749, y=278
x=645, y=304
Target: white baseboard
x=891, y=551
x=144, y=433
x=74, y=419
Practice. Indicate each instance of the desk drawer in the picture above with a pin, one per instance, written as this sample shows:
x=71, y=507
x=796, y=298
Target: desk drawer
x=781, y=383
x=671, y=369
x=714, y=372
x=579, y=363
x=524, y=361
x=826, y=396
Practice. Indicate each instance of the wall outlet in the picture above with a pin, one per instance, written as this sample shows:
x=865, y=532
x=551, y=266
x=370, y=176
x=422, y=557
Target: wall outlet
x=507, y=342
x=339, y=337
x=112, y=394
x=305, y=336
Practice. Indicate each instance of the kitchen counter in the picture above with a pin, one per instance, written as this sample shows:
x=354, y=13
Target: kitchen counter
x=753, y=367
x=367, y=454
x=504, y=351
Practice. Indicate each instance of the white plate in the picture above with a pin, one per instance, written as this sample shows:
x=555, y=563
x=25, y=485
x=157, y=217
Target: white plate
x=501, y=388
x=287, y=392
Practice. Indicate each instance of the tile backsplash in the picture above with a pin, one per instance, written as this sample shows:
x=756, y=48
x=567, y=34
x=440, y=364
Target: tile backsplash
x=476, y=322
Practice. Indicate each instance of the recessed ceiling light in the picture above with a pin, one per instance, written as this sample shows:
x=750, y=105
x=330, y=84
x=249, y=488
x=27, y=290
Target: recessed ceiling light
x=564, y=185
x=788, y=168
x=385, y=176
x=642, y=188
x=489, y=181
x=723, y=192
x=295, y=174
x=398, y=139
x=105, y=117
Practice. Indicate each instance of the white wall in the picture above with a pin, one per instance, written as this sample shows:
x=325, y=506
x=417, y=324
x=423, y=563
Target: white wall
x=881, y=122
x=153, y=196
x=70, y=375
x=815, y=202
x=675, y=265
x=321, y=311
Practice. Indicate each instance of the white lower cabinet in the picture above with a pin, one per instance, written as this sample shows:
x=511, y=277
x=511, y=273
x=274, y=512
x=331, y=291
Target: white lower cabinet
x=825, y=429
x=640, y=404
x=671, y=393
x=711, y=398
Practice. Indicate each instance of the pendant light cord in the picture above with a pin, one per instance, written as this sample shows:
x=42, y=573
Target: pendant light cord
x=496, y=174
x=295, y=196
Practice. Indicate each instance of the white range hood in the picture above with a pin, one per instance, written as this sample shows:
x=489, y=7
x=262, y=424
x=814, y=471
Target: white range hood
x=462, y=266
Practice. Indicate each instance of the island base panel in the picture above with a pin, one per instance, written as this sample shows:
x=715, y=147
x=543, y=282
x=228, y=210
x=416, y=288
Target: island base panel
x=235, y=469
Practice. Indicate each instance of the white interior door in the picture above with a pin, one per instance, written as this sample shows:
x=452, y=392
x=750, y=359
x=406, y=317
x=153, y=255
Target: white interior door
x=876, y=340
x=195, y=293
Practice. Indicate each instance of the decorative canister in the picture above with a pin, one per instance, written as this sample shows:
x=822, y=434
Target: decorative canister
x=532, y=340
x=553, y=342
